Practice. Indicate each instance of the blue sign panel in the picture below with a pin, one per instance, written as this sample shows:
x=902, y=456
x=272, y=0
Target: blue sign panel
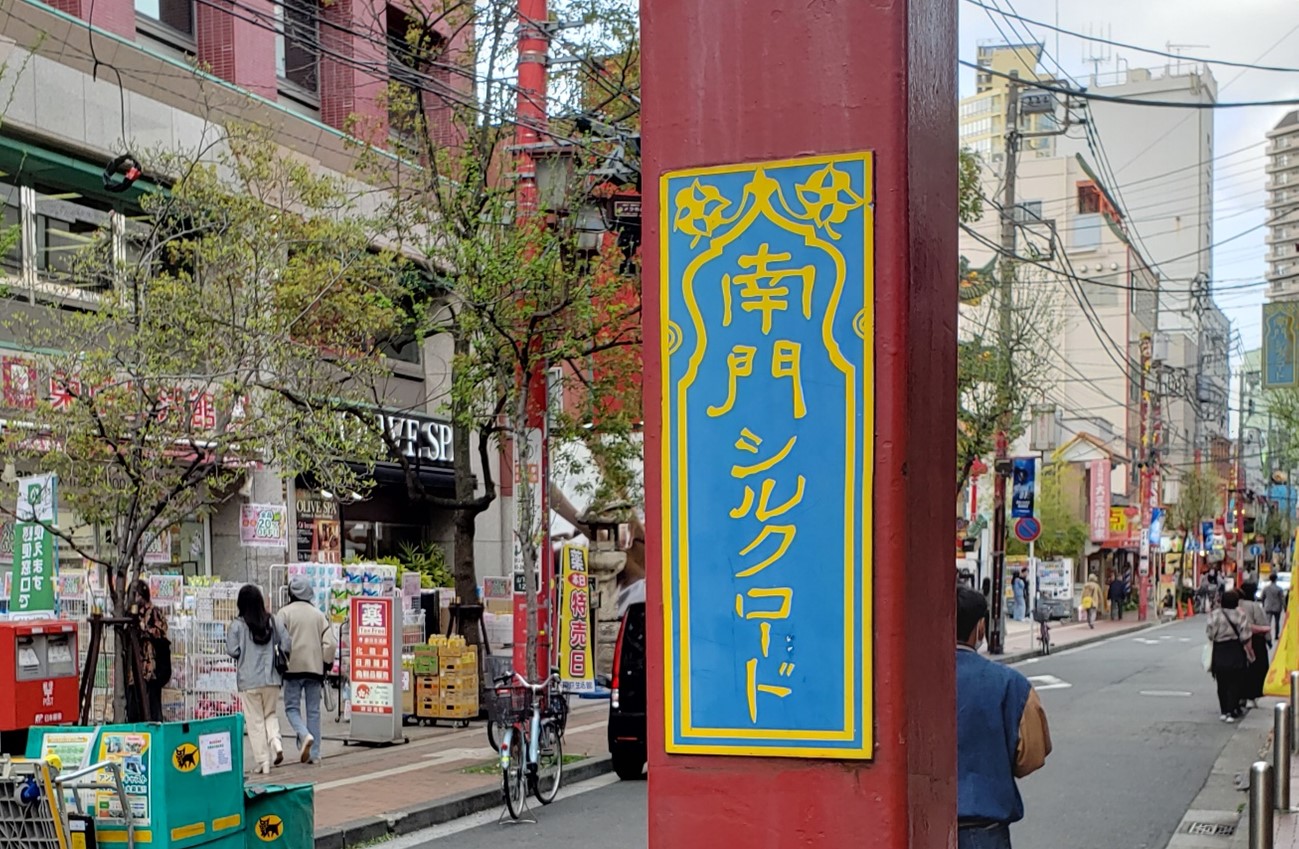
x=1023, y=492
x=767, y=318
x=1156, y=532
x=1280, y=326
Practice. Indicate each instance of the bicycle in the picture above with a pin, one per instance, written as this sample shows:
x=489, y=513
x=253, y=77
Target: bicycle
x=500, y=712
x=1043, y=618
x=532, y=749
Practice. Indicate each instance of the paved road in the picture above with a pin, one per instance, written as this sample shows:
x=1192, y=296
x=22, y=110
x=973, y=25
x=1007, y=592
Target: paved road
x=1136, y=732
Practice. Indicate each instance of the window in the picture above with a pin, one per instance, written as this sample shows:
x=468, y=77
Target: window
x=11, y=228
x=67, y=225
x=1087, y=232
x=1089, y=199
x=176, y=15
x=297, y=48
x=1029, y=211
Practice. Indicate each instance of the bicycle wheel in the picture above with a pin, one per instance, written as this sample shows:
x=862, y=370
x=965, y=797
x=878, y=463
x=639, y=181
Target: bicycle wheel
x=513, y=775
x=550, y=764
x=496, y=733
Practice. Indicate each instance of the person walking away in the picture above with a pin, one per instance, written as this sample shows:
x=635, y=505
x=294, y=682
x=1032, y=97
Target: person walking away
x=1229, y=635
x=259, y=644
x=1001, y=734
x=1092, y=600
x=311, y=653
x=1204, y=593
x=1019, y=590
x=1274, y=604
x=154, y=642
x=1118, y=595
x=1259, y=632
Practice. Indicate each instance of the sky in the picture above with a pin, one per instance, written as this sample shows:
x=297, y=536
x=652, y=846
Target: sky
x=1250, y=31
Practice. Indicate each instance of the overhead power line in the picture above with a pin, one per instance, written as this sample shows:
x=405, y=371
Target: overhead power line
x=1083, y=94
x=1126, y=46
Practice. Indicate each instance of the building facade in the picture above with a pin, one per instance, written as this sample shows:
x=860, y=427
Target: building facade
x=1283, y=208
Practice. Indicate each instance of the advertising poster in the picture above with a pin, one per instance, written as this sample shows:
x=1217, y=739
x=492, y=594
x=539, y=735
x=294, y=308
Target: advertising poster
x=576, y=669
x=166, y=589
x=1023, y=495
x=318, y=535
x=32, y=590
x=263, y=525
x=159, y=549
x=374, y=657
x=1099, y=472
x=131, y=750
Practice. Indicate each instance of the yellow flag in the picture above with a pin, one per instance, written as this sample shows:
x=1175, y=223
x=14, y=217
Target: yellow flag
x=1286, y=659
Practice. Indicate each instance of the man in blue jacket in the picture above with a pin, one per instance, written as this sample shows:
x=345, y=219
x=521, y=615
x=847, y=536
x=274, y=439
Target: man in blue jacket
x=1001, y=734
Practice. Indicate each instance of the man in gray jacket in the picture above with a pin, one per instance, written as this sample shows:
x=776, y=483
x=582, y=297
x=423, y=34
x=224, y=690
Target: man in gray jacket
x=313, y=646
x=1273, y=598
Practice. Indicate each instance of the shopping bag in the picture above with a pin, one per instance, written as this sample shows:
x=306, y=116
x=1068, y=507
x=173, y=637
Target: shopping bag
x=1206, y=657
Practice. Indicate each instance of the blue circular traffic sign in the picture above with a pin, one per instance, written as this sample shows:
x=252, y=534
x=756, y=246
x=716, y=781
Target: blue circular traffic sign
x=1027, y=529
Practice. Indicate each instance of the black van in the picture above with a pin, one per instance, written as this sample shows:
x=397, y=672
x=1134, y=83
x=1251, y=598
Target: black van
x=627, y=729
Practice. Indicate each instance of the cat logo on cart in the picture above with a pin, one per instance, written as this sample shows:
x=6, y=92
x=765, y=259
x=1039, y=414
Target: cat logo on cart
x=270, y=828
x=185, y=758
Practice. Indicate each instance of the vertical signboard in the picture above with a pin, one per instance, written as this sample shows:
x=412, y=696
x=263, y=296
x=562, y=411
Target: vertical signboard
x=1099, y=507
x=318, y=533
x=1280, y=345
x=375, y=631
x=768, y=410
x=31, y=591
x=1023, y=497
x=576, y=669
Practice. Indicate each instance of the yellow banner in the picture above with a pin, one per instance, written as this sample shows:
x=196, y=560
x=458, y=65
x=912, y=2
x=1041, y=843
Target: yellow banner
x=576, y=666
x=1286, y=659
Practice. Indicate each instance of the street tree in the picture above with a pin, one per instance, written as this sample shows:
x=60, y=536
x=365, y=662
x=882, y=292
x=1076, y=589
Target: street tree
x=240, y=329
x=1064, y=533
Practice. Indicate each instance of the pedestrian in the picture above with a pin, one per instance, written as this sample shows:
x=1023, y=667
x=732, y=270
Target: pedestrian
x=1092, y=599
x=1274, y=604
x=1168, y=605
x=312, y=645
x=1118, y=597
x=1259, y=632
x=1019, y=591
x=1001, y=734
x=1229, y=637
x=1204, y=593
x=155, y=656
x=260, y=645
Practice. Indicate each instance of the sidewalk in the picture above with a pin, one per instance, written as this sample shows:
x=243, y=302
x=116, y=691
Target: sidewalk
x=1022, y=642
x=365, y=793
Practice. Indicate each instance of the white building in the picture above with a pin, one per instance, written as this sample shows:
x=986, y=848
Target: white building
x=1283, y=208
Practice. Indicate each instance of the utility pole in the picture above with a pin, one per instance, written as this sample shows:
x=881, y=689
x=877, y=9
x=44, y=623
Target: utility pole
x=1144, y=472
x=1240, y=475
x=1001, y=465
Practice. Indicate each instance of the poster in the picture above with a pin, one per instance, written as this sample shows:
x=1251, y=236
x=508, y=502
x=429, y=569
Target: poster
x=166, y=589
x=32, y=589
x=159, y=549
x=214, y=753
x=19, y=383
x=73, y=751
x=263, y=525
x=767, y=311
x=131, y=750
x=318, y=534
x=1023, y=495
x=576, y=669
x=374, y=657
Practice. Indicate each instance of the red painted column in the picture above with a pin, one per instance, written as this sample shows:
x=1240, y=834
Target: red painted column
x=733, y=81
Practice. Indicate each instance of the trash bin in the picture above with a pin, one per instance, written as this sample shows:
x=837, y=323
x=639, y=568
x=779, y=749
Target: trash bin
x=183, y=780
x=282, y=814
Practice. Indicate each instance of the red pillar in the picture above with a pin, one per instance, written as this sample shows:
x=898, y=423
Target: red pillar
x=742, y=81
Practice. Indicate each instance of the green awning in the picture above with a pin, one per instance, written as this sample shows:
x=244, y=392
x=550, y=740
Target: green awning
x=30, y=163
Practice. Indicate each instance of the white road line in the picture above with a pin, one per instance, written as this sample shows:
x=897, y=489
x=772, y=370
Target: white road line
x=1047, y=682
x=419, y=838
x=1173, y=693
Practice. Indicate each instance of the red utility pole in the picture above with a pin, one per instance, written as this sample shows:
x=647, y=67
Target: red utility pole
x=530, y=122
x=1143, y=483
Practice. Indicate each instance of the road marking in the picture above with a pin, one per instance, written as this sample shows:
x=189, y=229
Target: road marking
x=1183, y=639
x=420, y=839
x=1047, y=682
x=1173, y=693
x=1145, y=641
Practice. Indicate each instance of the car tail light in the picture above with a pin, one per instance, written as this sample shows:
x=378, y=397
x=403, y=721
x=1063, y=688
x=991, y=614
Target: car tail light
x=617, y=665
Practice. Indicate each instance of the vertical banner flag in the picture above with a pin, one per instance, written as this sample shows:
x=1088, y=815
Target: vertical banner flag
x=766, y=307
x=576, y=670
x=1099, y=472
x=1280, y=344
x=32, y=588
x=1023, y=496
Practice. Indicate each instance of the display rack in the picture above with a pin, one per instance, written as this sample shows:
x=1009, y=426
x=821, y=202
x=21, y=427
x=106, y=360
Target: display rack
x=209, y=685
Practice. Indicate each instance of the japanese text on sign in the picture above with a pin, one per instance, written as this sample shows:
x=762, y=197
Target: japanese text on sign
x=576, y=670
x=373, y=657
x=766, y=355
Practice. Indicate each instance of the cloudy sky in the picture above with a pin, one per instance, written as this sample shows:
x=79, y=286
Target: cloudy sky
x=1250, y=31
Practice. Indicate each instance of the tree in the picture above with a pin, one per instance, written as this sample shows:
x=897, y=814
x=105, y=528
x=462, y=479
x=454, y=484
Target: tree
x=1199, y=497
x=1064, y=534
x=242, y=328
x=521, y=290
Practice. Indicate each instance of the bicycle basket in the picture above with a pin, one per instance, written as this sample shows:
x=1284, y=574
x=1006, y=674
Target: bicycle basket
x=505, y=704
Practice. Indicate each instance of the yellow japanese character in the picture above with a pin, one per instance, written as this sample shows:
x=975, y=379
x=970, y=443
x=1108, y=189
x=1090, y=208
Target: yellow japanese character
x=739, y=363
x=786, y=533
x=765, y=510
x=751, y=675
x=785, y=362
x=760, y=290
x=738, y=471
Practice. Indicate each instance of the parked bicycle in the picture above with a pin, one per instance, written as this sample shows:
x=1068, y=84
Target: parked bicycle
x=532, y=748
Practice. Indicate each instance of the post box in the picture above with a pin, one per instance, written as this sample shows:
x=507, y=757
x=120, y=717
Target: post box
x=39, y=665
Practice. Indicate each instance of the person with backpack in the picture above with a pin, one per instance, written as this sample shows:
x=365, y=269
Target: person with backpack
x=260, y=646
x=155, y=656
x=312, y=646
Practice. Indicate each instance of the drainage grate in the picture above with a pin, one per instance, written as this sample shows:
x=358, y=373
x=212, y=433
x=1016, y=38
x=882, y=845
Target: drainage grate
x=1211, y=829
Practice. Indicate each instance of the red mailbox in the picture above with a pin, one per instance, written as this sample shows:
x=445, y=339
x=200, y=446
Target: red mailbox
x=38, y=664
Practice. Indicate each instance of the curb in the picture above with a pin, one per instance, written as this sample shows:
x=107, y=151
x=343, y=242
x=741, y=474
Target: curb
x=439, y=811
x=1019, y=657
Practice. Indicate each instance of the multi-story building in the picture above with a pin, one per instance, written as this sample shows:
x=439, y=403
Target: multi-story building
x=1283, y=208
x=983, y=114
x=79, y=91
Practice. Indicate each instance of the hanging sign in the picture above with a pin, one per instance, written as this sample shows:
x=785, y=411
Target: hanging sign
x=1023, y=496
x=576, y=669
x=31, y=592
